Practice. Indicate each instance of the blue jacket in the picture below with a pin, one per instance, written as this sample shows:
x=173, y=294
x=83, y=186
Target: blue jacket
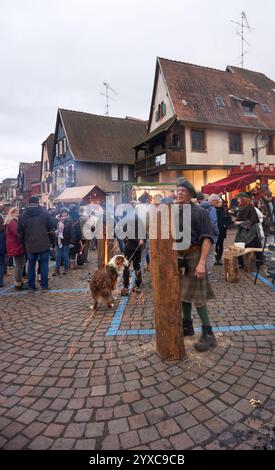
x=213, y=218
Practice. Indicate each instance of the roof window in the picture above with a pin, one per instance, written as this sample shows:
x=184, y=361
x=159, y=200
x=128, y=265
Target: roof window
x=220, y=102
x=266, y=108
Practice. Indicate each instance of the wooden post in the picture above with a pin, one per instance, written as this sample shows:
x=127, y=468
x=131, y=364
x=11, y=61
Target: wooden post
x=101, y=253
x=105, y=250
x=249, y=261
x=231, y=269
x=166, y=298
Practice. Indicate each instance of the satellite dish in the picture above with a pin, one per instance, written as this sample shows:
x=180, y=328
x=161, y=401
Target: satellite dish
x=89, y=227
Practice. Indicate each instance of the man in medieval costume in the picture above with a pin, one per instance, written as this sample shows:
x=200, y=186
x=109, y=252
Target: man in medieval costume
x=195, y=286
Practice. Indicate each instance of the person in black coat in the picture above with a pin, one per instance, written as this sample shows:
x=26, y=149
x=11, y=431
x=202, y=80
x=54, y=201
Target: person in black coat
x=224, y=221
x=36, y=230
x=75, y=245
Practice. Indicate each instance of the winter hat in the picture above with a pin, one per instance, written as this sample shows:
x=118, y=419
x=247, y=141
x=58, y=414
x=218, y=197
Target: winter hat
x=183, y=183
x=200, y=196
x=243, y=194
x=34, y=200
x=214, y=197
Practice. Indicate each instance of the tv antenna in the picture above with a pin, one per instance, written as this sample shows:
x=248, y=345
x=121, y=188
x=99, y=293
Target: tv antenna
x=241, y=32
x=108, y=88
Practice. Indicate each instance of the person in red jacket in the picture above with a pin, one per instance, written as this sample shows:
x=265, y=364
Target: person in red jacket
x=15, y=247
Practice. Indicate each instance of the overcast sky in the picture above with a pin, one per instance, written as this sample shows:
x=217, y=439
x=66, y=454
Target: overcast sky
x=57, y=53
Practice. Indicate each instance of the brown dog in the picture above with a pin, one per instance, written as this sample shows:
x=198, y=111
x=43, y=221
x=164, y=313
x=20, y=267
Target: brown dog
x=104, y=280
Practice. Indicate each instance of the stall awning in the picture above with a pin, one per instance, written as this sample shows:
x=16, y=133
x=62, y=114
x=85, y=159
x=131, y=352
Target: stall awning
x=76, y=194
x=231, y=183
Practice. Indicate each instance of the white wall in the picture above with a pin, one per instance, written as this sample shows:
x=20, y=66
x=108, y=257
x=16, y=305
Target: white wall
x=161, y=95
x=217, y=143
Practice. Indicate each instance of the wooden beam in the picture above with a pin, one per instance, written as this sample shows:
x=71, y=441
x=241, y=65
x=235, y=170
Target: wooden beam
x=166, y=298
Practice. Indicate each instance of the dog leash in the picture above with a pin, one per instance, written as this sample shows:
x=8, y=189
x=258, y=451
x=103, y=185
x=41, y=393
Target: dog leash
x=131, y=257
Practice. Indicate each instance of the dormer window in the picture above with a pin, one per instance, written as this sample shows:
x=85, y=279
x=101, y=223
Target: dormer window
x=220, y=102
x=247, y=104
x=248, y=107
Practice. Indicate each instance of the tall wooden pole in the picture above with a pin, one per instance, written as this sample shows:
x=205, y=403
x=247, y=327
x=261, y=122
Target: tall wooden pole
x=105, y=250
x=166, y=298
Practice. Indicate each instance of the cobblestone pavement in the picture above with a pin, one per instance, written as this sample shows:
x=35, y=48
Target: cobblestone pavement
x=65, y=384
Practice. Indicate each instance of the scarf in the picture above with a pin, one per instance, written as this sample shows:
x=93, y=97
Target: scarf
x=60, y=231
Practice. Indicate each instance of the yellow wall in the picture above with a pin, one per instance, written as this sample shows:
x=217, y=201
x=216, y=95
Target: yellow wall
x=45, y=200
x=197, y=177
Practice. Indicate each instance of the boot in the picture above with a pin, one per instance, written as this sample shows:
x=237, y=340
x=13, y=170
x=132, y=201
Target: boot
x=66, y=270
x=217, y=262
x=207, y=340
x=188, y=329
x=56, y=272
x=124, y=292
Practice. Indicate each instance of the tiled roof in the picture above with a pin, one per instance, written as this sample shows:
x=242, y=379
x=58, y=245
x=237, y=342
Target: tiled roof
x=193, y=90
x=102, y=139
x=162, y=128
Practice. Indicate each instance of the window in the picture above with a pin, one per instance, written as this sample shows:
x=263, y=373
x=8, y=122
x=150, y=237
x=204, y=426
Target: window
x=125, y=173
x=175, y=140
x=198, y=140
x=220, y=102
x=46, y=165
x=114, y=172
x=70, y=173
x=161, y=111
x=64, y=146
x=235, y=142
x=270, y=145
x=60, y=150
x=266, y=108
x=248, y=107
x=56, y=149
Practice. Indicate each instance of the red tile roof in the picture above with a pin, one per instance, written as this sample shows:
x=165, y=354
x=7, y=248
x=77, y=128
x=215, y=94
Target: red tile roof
x=193, y=90
x=102, y=139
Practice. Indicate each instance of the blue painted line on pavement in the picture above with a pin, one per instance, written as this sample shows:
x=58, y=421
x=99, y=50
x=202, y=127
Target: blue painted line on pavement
x=3, y=291
x=217, y=329
x=113, y=330
x=266, y=281
x=51, y=291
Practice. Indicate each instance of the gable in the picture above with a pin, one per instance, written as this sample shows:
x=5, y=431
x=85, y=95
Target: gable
x=160, y=99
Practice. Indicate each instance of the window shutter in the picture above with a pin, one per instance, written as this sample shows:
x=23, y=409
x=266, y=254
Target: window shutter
x=114, y=171
x=125, y=173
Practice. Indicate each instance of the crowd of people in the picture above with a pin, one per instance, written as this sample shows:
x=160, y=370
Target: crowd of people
x=31, y=237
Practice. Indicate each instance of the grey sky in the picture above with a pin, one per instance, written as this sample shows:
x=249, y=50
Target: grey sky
x=57, y=53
